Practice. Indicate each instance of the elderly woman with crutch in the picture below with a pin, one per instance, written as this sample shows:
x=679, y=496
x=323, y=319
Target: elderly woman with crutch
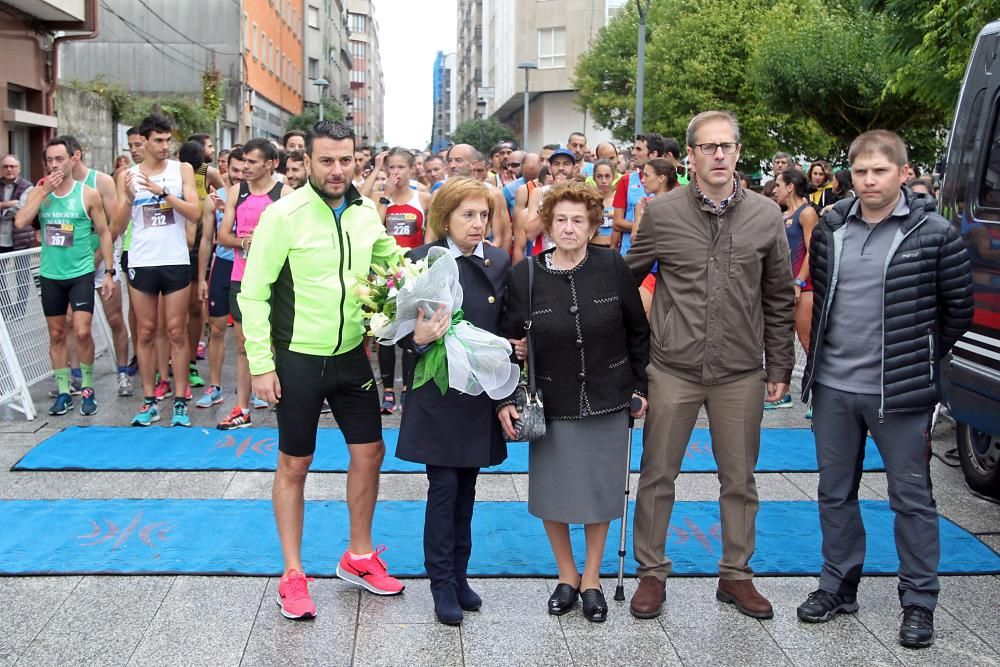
x=590, y=341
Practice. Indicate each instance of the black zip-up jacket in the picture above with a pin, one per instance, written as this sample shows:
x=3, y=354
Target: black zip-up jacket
x=926, y=305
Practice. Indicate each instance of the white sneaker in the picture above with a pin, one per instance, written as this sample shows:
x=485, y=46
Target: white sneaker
x=125, y=385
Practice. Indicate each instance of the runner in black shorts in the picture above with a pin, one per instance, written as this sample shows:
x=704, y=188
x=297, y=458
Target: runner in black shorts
x=346, y=381
x=215, y=289
x=58, y=295
x=291, y=299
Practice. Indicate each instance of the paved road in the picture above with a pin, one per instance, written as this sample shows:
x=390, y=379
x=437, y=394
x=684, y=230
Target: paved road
x=185, y=620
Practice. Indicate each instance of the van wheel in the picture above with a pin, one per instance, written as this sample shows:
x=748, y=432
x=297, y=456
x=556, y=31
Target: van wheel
x=979, y=453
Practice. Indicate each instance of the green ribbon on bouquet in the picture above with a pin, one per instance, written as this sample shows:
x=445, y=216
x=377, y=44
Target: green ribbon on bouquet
x=433, y=363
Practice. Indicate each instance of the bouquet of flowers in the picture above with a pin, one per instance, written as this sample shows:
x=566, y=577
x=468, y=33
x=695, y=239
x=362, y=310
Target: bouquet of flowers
x=379, y=290
x=466, y=358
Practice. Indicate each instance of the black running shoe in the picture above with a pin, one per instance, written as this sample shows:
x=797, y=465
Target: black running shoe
x=917, y=628
x=822, y=605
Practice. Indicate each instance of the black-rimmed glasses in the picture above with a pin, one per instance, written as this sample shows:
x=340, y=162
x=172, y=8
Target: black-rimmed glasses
x=728, y=148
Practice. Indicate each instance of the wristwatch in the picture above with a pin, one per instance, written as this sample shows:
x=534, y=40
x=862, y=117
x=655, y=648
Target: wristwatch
x=166, y=193
x=799, y=283
x=110, y=272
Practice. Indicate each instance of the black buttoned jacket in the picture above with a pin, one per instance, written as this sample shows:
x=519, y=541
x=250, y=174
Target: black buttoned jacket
x=591, y=336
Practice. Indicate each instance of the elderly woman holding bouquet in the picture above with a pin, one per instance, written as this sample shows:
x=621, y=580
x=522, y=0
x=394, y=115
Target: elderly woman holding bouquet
x=453, y=433
x=591, y=345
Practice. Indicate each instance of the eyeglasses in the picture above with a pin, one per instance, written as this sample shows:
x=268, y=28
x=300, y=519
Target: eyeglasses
x=728, y=148
x=513, y=164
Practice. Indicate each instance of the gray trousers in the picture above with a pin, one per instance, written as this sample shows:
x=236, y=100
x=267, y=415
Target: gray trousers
x=840, y=424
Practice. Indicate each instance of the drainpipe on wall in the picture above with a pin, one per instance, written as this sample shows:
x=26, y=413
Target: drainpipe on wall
x=53, y=56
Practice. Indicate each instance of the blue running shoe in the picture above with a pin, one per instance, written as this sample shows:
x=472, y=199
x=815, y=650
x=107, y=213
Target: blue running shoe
x=88, y=406
x=63, y=404
x=181, y=417
x=149, y=414
x=211, y=396
x=783, y=402
x=258, y=403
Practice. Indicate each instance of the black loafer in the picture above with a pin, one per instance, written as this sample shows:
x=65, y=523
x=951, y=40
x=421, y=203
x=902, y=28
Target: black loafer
x=595, y=607
x=563, y=599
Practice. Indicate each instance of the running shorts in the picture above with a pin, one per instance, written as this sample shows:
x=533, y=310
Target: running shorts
x=219, y=280
x=345, y=381
x=58, y=295
x=160, y=279
x=234, y=304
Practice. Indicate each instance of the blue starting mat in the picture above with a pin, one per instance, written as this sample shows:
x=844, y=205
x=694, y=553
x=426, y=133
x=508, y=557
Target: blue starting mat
x=106, y=448
x=238, y=537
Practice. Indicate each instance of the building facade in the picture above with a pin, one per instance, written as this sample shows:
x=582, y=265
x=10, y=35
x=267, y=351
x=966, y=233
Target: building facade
x=327, y=51
x=468, y=59
x=553, y=35
x=27, y=84
x=135, y=48
x=366, y=111
x=273, y=52
x=165, y=47
x=442, y=123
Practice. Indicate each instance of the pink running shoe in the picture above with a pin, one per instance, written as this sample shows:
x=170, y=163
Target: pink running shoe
x=293, y=596
x=369, y=573
x=162, y=390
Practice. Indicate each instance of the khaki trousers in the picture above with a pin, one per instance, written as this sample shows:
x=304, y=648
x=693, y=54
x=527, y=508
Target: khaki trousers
x=735, y=410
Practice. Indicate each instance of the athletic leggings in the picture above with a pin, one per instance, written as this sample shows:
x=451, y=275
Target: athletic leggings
x=387, y=366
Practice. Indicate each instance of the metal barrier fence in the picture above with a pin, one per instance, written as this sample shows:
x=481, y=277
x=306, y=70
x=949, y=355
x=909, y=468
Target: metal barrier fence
x=24, y=336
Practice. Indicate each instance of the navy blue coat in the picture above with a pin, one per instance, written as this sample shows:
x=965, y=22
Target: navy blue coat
x=456, y=429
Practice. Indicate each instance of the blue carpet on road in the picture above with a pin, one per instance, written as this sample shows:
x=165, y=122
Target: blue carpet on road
x=158, y=448
x=238, y=537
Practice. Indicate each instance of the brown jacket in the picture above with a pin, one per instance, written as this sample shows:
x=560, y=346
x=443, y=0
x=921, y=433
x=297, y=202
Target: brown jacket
x=723, y=305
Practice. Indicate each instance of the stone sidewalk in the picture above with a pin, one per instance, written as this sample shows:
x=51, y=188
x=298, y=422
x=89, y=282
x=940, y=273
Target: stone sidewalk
x=190, y=620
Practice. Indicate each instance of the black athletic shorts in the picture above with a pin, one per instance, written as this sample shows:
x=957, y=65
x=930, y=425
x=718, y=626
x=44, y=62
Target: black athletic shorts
x=58, y=295
x=160, y=279
x=234, y=304
x=219, y=280
x=125, y=262
x=345, y=381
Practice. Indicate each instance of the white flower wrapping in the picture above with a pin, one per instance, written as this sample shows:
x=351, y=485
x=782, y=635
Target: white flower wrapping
x=478, y=361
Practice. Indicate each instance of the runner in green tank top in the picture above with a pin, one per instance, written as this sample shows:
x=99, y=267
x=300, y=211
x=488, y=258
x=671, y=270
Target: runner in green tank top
x=70, y=214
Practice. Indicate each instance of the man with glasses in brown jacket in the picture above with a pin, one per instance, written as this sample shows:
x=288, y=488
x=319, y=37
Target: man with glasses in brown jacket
x=721, y=324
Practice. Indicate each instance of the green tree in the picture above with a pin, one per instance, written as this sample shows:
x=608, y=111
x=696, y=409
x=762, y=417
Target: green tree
x=310, y=116
x=934, y=39
x=831, y=64
x=483, y=133
x=695, y=60
x=186, y=113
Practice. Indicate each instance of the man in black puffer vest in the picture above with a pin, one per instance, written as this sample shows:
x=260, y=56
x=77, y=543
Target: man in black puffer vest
x=892, y=293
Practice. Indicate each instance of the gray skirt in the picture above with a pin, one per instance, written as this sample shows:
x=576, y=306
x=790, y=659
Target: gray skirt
x=576, y=473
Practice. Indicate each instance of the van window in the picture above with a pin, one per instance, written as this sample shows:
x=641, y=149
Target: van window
x=988, y=201
x=966, y=131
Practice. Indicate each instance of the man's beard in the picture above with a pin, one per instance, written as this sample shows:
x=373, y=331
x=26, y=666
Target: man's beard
x=328, y=197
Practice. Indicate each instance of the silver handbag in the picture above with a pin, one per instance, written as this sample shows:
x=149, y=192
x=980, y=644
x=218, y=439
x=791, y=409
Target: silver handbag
x=530, y=426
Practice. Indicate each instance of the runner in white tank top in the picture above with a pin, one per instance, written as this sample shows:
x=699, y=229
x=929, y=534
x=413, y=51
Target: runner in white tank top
x=159, y=198
x=159, y=237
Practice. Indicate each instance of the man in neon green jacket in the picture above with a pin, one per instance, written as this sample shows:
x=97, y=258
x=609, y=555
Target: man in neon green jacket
x=297, y=295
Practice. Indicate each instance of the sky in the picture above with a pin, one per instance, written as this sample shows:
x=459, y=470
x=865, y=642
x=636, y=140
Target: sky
x=410, y=35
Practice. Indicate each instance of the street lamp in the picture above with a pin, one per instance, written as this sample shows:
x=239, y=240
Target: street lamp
x=527, y=66
x=322, y=84
x=640, y=74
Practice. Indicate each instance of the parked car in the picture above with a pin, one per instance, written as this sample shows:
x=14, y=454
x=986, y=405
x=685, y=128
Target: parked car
x=970, y=197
